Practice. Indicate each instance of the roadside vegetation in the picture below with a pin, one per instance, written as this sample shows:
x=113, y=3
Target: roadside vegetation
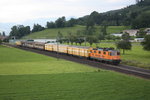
x=38, y=77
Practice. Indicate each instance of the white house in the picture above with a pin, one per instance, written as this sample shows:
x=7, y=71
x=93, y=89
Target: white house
x=139, y=39
x=131, y=32
x=115, y=34
x=45, y=40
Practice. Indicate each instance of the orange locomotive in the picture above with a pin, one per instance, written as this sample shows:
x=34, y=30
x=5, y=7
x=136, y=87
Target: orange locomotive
x=105, y=55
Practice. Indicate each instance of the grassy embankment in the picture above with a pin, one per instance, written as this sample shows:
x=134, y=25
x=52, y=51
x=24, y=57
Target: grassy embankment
x=29, y=76
x=52, y=33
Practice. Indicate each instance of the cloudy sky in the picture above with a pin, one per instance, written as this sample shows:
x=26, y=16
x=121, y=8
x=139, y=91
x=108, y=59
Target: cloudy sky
x=24, y=11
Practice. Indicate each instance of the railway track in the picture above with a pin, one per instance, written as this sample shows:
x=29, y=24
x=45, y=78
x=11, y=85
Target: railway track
x=139, y=72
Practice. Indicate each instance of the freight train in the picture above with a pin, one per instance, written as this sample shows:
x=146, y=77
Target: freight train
x=108, y=55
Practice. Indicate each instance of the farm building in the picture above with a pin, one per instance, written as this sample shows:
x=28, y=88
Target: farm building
x=131, y=32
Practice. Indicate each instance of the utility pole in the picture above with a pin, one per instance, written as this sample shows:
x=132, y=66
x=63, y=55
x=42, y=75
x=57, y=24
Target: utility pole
x=57, y=49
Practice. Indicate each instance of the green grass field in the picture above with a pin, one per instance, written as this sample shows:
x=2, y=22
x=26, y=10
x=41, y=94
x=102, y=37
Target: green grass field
x=29, y=76
x=52, y=33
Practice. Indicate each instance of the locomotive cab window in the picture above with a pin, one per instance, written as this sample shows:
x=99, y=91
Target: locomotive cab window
x=99, y=52
x=118, y=53
x=110, y=53
x=104, y=53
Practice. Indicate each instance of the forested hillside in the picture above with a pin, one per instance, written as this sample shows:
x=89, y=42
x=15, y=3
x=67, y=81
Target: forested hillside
x=132, y=15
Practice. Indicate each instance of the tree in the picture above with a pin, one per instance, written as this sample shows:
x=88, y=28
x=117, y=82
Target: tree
x=79, y=37
x=14, y=31
x=19, y=31
x=146, y=43
x=37, y=28
x=59, y=37
x=60, y=22
x=4, y=34
x=104, y=30
x=110, y=37
x=92, y=39
x=125, y=45
x=71, y=22
x=126, y=37
x=50, y=25
x=71, y=38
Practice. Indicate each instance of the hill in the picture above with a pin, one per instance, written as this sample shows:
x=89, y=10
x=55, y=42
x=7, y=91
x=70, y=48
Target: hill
x=52, y=33
x=125, y=16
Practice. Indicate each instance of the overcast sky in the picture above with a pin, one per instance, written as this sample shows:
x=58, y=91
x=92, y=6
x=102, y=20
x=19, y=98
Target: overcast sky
x=19, y=11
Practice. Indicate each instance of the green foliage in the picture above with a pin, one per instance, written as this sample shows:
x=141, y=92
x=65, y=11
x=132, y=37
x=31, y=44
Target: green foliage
x=110, y=37
x=51, y=25
x=146, y=43
x=37, y=28
x=142, y=20
x=125, y=45
x=126, y=37
x=60, y=22
x=20, y=31
x=71, y=22
x=91, y=40
x=59, y=37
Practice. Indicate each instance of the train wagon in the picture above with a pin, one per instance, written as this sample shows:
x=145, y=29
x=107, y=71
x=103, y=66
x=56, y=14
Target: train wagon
x=79, y=51
x=49, y=47
x=18, y=43
x=29, y=44
x=84, y=51
x=75, y=51
x=105, y=55
x=39, y=45
x=70, y=50
x=63, y=48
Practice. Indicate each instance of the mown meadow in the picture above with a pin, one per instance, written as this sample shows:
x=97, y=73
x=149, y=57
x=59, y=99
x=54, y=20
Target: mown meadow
x=29, y=76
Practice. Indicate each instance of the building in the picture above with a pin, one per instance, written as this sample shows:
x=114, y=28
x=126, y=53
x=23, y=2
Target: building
x=46, y=40
x=147, y=30
x=117, y=34
x=131, y=32
x=2, y=37
x=139, y=39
